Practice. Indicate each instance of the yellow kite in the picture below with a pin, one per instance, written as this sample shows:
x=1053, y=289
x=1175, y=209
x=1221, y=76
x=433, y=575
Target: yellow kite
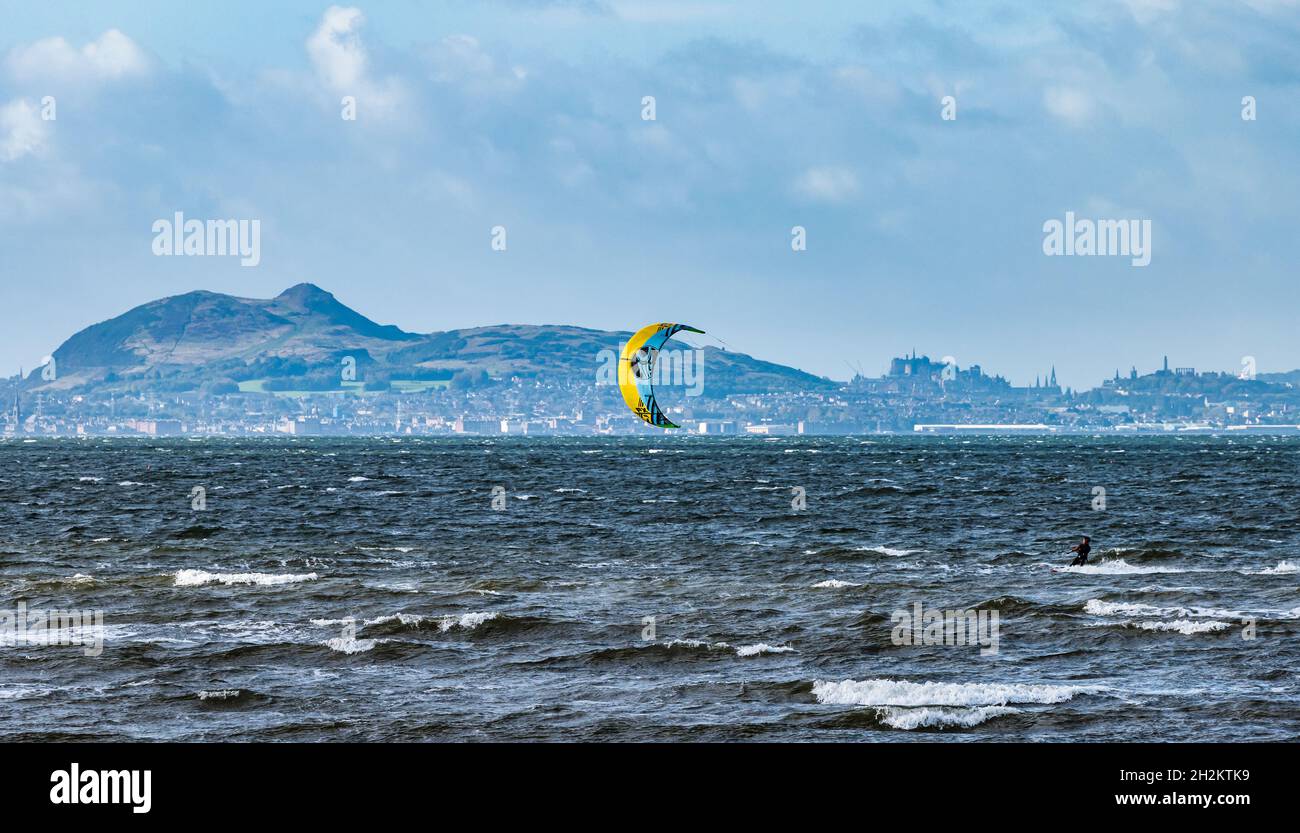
x=636, y=370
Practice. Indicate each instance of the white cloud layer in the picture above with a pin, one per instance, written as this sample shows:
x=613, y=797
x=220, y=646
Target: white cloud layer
x=21, y=130
x=829, y=184
x=1068, y=104
x=342, y=65
x=112, y=56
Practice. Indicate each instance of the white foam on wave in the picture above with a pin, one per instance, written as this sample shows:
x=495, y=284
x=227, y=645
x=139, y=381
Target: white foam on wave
x=889, y=551
x=1185, y=626
x=762, y=648
x=349, y=645
x=467, y=621
x=129, y=483
x=693, y=643
x=835, y=584
x=196, y=578
x=358, y=479
x=1118, y=567
x=1283, y=568
x=402, y=618
x=1099, y=607
x=926, y=716
x=903, y=693
x=219, y=694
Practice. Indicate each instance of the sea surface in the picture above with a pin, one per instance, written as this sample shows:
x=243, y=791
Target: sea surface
x=499, y=589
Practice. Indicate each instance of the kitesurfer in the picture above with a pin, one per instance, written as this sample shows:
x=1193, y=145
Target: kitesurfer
x=1082, y=548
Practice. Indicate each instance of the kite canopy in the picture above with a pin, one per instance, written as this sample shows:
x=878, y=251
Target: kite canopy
x=636, y=370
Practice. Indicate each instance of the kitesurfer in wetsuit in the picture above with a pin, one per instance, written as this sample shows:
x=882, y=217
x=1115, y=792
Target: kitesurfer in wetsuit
x=1082, y=548
x=641, y=365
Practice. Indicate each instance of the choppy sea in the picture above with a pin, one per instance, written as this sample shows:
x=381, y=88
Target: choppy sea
x=649, y=589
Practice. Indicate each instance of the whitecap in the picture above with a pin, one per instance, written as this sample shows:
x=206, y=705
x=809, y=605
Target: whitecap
x=928, y=717
x=196, y=578
x=687, y=643
x=1118, y=567
x=888, y=551
x=467, y=621
x=882, y=692
x=1098, y=607
x=1282, y=568
x=1185, y=626
x=350, y=646
x=762, y=648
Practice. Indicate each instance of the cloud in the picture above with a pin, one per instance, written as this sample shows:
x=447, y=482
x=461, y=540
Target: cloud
x=336, y=49
x=462, y=61
x=112, y=56
x=1068, y=104
x=828, y=184
x=1145, y=11
x=21, y=130
x=343, y=66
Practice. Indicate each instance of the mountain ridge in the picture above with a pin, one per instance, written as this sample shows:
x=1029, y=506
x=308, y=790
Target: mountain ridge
x=302, y=337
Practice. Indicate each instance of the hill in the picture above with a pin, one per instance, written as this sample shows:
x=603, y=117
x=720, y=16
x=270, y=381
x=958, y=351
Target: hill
x=303, y=338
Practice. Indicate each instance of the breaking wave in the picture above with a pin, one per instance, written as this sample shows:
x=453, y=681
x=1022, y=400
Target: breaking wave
x=1118, y=567
x=927, y=717
x=1283, y=568
x=904, y=693
x=196, y=578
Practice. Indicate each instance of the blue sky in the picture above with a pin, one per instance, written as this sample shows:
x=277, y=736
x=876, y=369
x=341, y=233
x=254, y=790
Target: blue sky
x=921, y=232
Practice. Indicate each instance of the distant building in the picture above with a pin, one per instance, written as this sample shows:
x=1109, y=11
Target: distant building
x=157, y=427
x=302, y=426
x=922, y=428
x=479, y=426
x=767, y=429
x=915, y=367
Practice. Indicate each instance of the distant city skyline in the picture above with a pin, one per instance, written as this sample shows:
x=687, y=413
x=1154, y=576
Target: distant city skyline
x=528, y=116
